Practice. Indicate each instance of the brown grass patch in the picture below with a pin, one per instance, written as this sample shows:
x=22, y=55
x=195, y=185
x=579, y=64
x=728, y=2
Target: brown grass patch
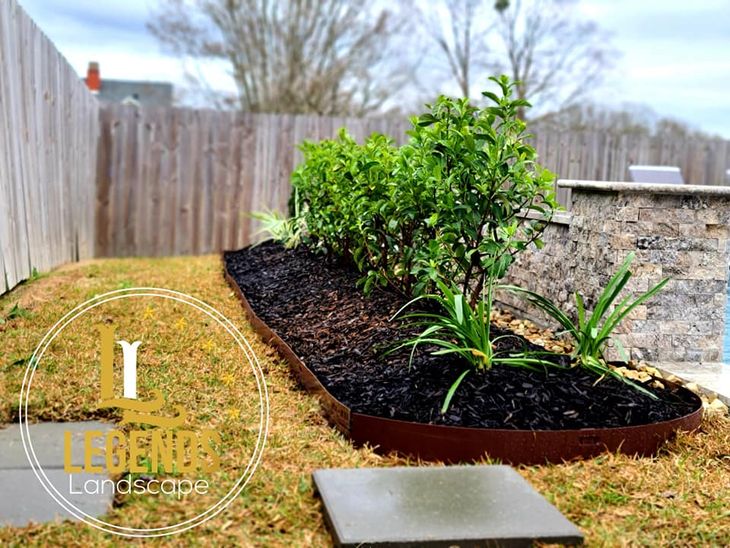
x=679, y=497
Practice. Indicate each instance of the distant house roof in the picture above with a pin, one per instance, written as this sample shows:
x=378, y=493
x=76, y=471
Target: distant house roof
x=154, y=94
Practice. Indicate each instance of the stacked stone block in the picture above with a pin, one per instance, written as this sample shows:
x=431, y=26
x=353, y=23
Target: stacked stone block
x=681, y=232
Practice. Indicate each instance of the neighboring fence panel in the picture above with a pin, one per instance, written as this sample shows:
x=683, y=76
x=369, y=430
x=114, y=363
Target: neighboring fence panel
x=181, y=181
x=48, y=138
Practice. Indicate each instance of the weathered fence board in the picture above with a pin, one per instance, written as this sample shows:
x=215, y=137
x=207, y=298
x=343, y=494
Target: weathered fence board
x=48, y=138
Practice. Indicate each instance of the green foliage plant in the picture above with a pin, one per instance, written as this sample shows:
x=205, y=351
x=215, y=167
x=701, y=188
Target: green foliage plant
x=477, y=185
x=17, y=311
x=347, y=190
x=592, y=332
x=464, y=329
x=288, y=231
x=459, y=201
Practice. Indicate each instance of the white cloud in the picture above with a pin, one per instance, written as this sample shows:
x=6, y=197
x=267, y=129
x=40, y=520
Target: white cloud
x=675, y=57
x=675, y=54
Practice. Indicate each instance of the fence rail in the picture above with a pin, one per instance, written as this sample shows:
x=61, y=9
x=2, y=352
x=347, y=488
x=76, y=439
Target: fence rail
x=48, y=137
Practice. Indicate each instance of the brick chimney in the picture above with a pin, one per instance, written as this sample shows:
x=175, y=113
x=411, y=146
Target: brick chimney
x=93, y=79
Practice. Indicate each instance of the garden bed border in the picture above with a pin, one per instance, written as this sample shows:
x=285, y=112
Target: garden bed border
x=463, y=444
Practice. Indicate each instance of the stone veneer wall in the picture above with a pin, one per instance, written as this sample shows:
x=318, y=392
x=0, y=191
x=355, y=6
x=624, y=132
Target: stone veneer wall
x=677, y=231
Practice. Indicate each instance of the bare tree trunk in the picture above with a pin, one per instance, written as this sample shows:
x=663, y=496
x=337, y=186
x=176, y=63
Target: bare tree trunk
x=457, y=42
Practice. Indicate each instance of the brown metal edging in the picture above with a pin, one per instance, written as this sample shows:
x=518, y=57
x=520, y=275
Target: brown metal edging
x=337, y=413
x=463, y=444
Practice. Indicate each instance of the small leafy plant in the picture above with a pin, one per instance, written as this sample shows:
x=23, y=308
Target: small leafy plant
x=592, y=332
x=281, y=229
x=16, y=312
x=288, y=231
x=464, y=330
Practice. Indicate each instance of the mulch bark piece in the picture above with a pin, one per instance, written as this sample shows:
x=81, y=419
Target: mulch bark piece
x=312, y=302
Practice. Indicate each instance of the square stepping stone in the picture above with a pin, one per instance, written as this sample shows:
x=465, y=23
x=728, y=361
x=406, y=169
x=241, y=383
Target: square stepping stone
x=455, y=506
x=48, y=443
x=24, y=500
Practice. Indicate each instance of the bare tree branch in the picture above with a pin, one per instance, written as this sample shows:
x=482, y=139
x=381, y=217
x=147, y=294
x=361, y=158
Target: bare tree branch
x=628, y=119
x=461, y=38
x=300, y=56
x=557, y=57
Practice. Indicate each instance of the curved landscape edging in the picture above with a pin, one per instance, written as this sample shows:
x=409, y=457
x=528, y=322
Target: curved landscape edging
x=463, y=444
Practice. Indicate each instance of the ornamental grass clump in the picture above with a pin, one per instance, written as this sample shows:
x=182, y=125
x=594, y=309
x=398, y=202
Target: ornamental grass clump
x=591, y=333
x=288, y=231
x=464, y=329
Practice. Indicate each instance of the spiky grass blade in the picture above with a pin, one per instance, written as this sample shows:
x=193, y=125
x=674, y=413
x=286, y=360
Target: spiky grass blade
x=544, y=304
x=452, y=391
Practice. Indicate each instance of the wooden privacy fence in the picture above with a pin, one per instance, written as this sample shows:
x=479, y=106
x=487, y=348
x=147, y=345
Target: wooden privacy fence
x=180, y=181
x=48, y=136
x=606, y=156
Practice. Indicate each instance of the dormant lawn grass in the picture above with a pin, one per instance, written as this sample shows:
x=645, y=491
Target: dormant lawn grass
x=681, y=497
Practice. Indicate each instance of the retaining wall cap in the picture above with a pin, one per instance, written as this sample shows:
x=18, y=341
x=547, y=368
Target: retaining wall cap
x=646, y=188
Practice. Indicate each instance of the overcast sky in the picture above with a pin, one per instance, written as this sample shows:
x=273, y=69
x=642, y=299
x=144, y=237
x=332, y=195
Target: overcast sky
x=675, y=53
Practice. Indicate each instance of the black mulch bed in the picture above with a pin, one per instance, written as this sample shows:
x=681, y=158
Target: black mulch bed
x=313, y=304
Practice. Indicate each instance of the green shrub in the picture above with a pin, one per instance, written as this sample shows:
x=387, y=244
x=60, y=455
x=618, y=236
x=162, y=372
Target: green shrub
x=472, y=180
x=449, y=204
x=321, y=184
x=288, y=231
x=345, y=190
